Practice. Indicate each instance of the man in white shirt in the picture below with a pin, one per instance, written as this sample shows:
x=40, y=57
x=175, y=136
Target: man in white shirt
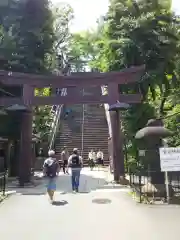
x=92, y=159
x=51, y=170
x=100, y=157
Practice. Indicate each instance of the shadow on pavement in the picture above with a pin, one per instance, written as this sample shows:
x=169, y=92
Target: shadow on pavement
x=60, y=203
x=32, y=193
x=113, y=186
x=88, y=183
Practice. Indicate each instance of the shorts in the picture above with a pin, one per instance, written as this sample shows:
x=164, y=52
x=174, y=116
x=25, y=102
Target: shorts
x=100, y=161
x=51, y=184
x=91, y=163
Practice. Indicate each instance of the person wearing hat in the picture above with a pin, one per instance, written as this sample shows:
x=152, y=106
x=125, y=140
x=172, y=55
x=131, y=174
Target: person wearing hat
x=51, y=170
x=75, y=162
x=92, y=159
x=100, y=156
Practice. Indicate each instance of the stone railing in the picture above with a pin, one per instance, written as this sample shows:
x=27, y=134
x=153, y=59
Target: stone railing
x=56, y=121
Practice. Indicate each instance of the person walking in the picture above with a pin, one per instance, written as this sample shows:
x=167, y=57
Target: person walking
x=100, y=160
x=92, y=159
x=75, y=162
x=51, y=170
x=64, y=158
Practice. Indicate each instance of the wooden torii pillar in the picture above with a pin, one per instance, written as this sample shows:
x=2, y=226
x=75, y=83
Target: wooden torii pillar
x=117, y=137
x=25, y=156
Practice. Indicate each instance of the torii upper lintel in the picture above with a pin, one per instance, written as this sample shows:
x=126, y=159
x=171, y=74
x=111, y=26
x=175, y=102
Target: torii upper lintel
x=79, y=79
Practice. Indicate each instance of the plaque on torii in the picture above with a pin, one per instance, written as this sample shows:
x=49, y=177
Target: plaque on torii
x=77, y=81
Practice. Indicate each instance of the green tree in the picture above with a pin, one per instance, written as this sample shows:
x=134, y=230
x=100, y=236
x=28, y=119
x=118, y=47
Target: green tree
x=62, y=18
x=26, y=43
x=136, y=33
x=9, y=12
x=83, y=49
x=143, y=32
x=172, y=122
x=34, y=36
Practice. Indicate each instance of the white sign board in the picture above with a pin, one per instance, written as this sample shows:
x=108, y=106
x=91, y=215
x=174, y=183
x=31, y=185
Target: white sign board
x=141, y=153
x=169, y=159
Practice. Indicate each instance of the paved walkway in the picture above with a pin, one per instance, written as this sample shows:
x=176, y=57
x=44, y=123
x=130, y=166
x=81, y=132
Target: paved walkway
x=28, y=215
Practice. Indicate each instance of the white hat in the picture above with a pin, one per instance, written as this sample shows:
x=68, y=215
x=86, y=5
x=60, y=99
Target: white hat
x=51, y=153
x=75, y=150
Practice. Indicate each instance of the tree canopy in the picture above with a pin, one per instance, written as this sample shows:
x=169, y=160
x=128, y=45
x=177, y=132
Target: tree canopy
x=136, y=33
x=33, y=34
x=35, y=37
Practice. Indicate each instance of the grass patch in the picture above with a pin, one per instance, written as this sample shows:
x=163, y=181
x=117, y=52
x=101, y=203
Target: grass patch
x=135, y=195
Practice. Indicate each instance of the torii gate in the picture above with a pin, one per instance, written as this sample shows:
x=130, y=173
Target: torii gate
x=29, y=82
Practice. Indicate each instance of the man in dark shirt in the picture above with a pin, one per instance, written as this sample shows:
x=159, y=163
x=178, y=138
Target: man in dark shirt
x=75, y=162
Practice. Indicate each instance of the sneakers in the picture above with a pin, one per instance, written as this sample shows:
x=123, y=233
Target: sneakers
x=75, y=190
x=51, y=201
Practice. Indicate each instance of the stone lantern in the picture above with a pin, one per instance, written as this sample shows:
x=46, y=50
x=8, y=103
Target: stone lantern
x=149, y=140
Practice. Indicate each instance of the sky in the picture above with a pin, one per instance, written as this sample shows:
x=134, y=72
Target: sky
x=176, y=6
x=87, y=11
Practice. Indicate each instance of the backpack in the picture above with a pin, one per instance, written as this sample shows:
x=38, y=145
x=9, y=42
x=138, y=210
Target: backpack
x=75, y=162
x=51, y=169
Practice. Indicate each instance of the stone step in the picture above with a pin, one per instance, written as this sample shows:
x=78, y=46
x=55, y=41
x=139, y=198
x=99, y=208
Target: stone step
x=86, y=139
x=95, y=131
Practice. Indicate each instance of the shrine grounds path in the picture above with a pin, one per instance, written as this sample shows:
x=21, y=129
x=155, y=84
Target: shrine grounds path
x=27, y=215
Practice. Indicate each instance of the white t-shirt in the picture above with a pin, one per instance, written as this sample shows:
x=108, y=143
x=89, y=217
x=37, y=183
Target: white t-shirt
x=92, y=155
x=100, y=155
x=64, y=155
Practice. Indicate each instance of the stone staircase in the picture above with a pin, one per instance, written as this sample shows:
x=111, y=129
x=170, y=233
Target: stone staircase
x=94, y=128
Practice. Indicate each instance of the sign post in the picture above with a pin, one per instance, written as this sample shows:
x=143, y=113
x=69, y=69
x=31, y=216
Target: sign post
x=167, y=187
x=170, y=162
